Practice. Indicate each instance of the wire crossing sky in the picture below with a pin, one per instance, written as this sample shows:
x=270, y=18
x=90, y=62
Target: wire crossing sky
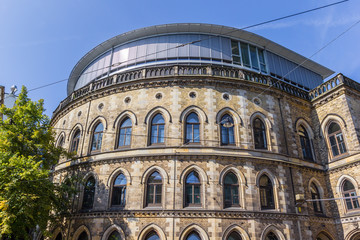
x=42, y=41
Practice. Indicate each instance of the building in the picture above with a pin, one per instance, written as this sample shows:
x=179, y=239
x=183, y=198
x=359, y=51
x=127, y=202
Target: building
x=199, y=131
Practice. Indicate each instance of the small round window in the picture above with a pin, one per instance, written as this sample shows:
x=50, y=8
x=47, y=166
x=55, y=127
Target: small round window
x=127, y=100
x=192, y=94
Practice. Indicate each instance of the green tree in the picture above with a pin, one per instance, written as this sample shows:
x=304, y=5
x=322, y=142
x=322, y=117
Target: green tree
x=28, y=197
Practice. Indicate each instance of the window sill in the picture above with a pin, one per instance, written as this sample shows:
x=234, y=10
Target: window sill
x=153, y=207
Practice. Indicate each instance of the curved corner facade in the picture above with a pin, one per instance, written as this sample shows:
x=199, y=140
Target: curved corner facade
x=178, y=138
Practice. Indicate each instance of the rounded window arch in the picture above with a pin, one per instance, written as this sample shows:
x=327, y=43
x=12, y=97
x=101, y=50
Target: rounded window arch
x=266, y=193
x=125, y=130
x=192, y=128
x=315, y=196
x=259, y=131
x=89, y=194
x=231, y=190
x=83, y=236
x=154, y=189
x=192, y=189
x=305, y=142
x=193, y=236
x=227, y=136
x=157, y=132
x=115, y=235
x=118, y=198
x=323, y=236
x=97, y=137
x=349, y=192
x=75, y=141
x=336, y=139
x=152, y=235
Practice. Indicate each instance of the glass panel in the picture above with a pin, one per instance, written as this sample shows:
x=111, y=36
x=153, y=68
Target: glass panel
x=235, y=48
x=341, y=143
x=188, y=193
x=161, y=136
x=89, y=192
x=196, y=133
x=150, y=194
x=348, y=201
x=235, y=194
x=122, y=137
x=155, y=177
x=271, y=236
x=116, y=196
x=230, y=178
x=192, y=118
x=126, y=123
x=154, y=130
x=348, y=186
x=334, y=146
x=262, y=60
x=333, y=128
x=99, y=128
x=128, y=136
x=114, y=236
x=193, y=177
x=234, y=236
x=189, y=133
x=245, y=54
x=59, y=237
x=152, y=236
x=224, y=135
x=83, y=236
x=193, y=236
x=120, y=180
x=158, y=119
x=254, y=59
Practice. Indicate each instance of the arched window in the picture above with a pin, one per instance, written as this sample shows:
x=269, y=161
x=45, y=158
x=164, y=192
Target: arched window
x=336, y=139
x=154, y=189
x=234, y=236
x=115, y=235
x=192, y=129
x=192, y=189
x=193, y=236
x=61, y=141
x=266, y=193
x=305, y=143
x=157, y=129
x=83, y=236
x=315, y=195
x=97, y=137
x=119, y=191
x=349, y=191
x=89, y=193
x=227, y=130
x=152, y=236
x=58, y=237
x=125, y=133
x=75, y=142
x=271, y=236
x=231, y=190
x=259, y=134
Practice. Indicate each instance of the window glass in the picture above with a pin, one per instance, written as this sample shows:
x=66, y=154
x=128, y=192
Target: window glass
x=58, y=237
x=262, y=60
x=336, y=139
x=266, y=193
x=192, y=128
x=315, y=195
x=231, y=190
x=234, y=236
x=192, y=189
x=97, y=137
x=89, y=192
x=154, y=189
x=235, y=52
x=227, y=130
x=119, y=191
x=125, y=133
x=157, y=129
x=75, y=141
x=193, y=236
x=152, y=236
x=83, y=236
x=259, y=134
x=115, y=235
x=305, y=143
x=271, y=236
x=245, y=54
x=254, y=59
x=349, y=191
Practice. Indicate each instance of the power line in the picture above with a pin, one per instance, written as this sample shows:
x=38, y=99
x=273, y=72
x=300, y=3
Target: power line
x=192, y=42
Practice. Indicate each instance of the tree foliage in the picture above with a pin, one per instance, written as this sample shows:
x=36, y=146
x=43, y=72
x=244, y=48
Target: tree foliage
x=28, y=197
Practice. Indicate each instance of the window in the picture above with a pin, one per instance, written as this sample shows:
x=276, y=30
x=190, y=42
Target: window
x=192, y=189
x=192, y=128
x=227, y=130
x=75, y=141
x=266, y=193
x=154, y=189
x=271, y=236
x=119, y=191
x=315, y=195
x=83, y=236
x=259, y=134
x=336, y=139
x=61, y=141
x=305, y=143
x=97, y=137
x=152, y=236
x=349, y=191
x=231, y=190
x=58, y=237
x=89, y=192
x=115, y=235
x=234, y=236
x=193, y=236
x=157, y=129
x=125, y=133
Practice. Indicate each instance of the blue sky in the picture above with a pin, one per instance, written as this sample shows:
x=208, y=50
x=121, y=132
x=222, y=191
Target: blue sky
x=41, y=41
